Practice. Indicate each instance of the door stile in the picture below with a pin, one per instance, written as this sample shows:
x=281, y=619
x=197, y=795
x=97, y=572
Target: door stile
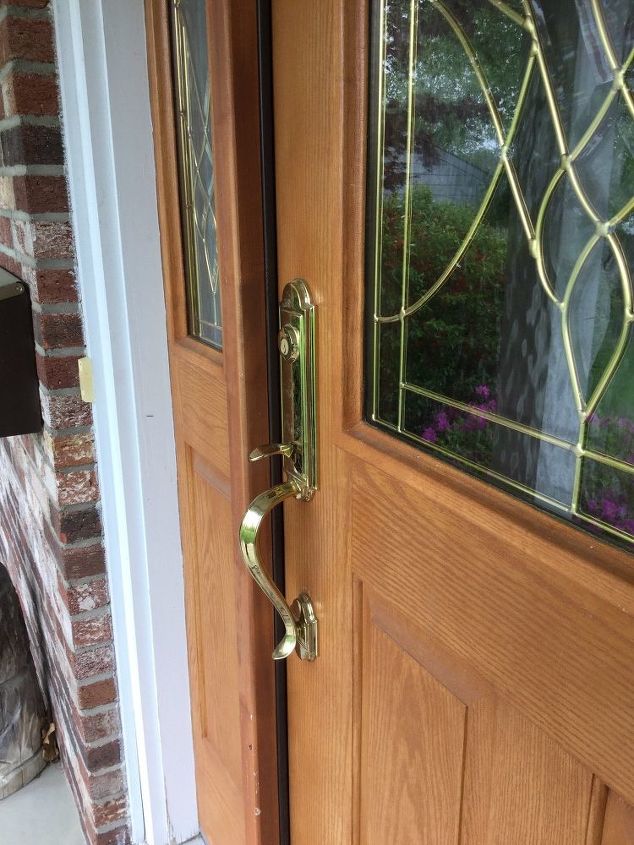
x=309, y=108
x=237, y=378
x=239, y=182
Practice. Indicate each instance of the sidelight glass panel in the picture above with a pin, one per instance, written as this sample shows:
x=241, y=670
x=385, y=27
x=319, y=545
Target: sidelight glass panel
x=196, y=169
x=500, y=241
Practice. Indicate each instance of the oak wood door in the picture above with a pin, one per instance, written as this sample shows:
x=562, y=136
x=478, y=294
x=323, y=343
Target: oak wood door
x=203, y=59
x=475, y=682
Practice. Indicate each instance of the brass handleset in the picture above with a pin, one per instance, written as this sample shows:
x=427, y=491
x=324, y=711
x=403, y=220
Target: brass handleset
x=296, y=343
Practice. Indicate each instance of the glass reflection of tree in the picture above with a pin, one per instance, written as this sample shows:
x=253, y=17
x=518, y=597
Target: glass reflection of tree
x=529, y=325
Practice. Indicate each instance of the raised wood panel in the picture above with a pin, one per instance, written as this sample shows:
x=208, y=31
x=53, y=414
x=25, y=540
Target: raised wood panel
x=213, y=597
x=538, y=793
x=445, y=759
x=618, y=826
x=220, y=801
x=560, y=665
x=212, y=639
x=202, y=403
x=412, y=740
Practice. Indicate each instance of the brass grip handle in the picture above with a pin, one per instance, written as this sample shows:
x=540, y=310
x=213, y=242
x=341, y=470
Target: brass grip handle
x=299, y=459
x=249, y=530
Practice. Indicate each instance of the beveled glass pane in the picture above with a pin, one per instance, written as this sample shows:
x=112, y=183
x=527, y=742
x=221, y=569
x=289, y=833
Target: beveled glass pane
x=501, y=183
x=196, y=169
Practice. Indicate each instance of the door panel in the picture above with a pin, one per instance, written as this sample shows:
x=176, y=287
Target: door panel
x=459, y=762
x=618, y=827
x=412, y=742
x=482, y=601
x=475, y=653
x=220, y=412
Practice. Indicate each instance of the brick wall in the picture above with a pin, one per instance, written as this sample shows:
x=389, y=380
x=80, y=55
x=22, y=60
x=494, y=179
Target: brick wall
x=50, y=529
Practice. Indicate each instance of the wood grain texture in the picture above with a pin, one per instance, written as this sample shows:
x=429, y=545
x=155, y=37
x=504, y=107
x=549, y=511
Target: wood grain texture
x=524, y=632
x=413, y=736
x=618, y=826
x=445, y=758
x=308, y=79
x=526, y=621
x=220, y=412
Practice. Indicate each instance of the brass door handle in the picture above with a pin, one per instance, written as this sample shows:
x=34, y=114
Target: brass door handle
x=299, y=621
x=299, y=460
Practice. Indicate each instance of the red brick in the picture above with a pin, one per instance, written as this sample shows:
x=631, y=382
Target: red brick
x=52, y=286
x=103, y=757
x=11, y=265
x=60, y=412
x=96, y=694
x=37, y=194
x=30, y=94
x=43, y=238
x=77, y=488
x=82, y=561
x=75, y=562
x=111, y=811
x=92, y=630
x=26, y=38
x=118, y=836
x=92, y=727
x=93, y=661
x=90, y=595
x=28, y=144
x=72, y=451
x=58, y=331
x=6, y=232
x=57, y=373
x=70, y=526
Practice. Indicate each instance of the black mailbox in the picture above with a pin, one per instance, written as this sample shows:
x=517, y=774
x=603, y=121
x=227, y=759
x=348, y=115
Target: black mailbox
x=20, y=411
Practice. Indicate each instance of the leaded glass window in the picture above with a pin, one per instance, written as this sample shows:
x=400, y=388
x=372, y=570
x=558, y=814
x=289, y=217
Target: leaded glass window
x=196, y=166
x=501, y=241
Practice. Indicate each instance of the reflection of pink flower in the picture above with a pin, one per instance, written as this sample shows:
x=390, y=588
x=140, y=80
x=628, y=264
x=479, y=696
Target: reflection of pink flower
x=442, y=422
x=430, y=435
x=612, y=511
x=474, y=423
x=483, y=390
x=490, y=406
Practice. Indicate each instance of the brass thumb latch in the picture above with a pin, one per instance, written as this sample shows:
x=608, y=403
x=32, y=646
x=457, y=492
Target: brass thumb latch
x=299, y=453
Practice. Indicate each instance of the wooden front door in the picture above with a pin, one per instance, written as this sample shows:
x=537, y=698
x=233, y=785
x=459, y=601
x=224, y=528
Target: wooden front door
x=454, y=182
x=203, y=59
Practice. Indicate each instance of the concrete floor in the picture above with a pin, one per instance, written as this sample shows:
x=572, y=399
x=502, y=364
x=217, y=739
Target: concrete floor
x=42, y=813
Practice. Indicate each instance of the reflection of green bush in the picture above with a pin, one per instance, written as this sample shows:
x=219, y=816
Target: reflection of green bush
x=453, y=340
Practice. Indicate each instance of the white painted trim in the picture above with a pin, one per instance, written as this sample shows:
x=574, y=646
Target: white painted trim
x=108, y=133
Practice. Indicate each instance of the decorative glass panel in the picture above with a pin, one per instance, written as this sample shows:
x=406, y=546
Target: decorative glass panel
x=196, y=165
x=500, y=244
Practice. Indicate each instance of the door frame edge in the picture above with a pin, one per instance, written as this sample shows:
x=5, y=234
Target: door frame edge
x=107, y=127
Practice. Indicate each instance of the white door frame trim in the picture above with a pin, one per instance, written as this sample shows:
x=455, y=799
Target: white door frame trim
x=102, y=60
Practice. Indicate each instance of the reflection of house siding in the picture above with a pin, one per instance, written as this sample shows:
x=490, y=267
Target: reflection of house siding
x=450, y=178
